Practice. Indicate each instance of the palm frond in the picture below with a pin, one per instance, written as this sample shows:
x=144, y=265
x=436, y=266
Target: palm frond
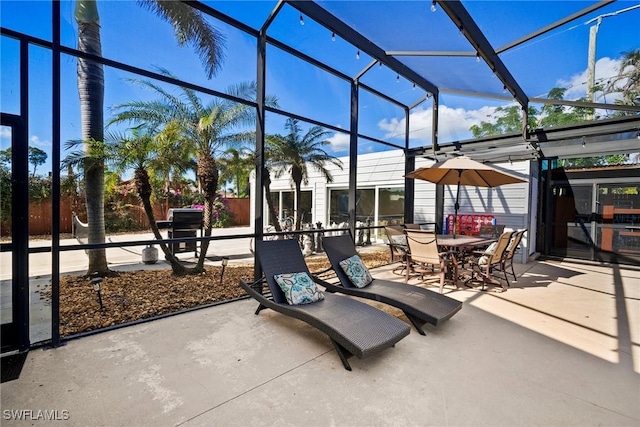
x=191, y=27
x=169, y=98
x=152, y=113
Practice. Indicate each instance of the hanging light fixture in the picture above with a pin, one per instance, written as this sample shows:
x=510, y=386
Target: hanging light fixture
x=433, y=6
x=301, y=20
x=398, y=78
x=333, y=37
x=504, y=89
x=584, y=141
x=414, y=86
x=477, y=57
x=358, y=54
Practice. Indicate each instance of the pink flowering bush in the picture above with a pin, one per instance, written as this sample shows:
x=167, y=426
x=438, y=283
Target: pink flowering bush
x=220, y=216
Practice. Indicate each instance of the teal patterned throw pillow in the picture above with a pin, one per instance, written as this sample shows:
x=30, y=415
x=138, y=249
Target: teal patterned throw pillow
x=298, y=288
x=356, y=271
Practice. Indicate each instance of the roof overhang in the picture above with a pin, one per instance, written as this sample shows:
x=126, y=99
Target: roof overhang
x=613, y=136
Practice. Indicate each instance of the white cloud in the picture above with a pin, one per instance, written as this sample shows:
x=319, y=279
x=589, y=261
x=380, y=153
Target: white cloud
x=606, y=69
x=454, y=123
x=37, y=142
x=340, y=142
x=34, y=140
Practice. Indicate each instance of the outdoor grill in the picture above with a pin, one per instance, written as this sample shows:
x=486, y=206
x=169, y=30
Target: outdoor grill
x=183, y=222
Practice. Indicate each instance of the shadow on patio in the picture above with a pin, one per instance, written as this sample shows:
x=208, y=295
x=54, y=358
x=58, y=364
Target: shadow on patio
x=561, y=347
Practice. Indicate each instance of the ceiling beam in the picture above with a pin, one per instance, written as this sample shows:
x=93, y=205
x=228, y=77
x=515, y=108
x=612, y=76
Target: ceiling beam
x=585, y=104
x=429, y=53
x=382, y=95
x=554, y=25
x=365, y=70
x=271, y=17
x=222, y=17
x=335, y=25
x=465, y=23
x=321, y=65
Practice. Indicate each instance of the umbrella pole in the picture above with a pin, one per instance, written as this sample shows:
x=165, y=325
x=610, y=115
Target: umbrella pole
x=457, y=205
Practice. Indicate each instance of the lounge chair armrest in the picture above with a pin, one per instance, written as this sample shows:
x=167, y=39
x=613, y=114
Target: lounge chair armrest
x=258, y=285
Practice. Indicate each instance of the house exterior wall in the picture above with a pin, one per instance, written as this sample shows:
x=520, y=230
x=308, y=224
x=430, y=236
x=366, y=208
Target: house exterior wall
x=510, y=204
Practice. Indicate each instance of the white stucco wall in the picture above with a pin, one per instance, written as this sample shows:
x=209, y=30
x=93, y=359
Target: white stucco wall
x=509, y=204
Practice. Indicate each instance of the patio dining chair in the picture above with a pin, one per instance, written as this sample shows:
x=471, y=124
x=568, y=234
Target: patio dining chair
x=398, y=247
x=425, y=255
x=493, y=258
x=511, y=250
x=412, y=226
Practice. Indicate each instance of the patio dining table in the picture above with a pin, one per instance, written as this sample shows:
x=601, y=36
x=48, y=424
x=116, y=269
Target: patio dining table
x=458, y=246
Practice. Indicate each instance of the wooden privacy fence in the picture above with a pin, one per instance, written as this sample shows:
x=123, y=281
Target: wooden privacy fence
x=40, y=215
x=241, y=209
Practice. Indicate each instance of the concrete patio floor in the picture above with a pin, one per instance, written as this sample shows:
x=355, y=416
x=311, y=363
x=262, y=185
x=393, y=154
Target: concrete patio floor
x=560, y=347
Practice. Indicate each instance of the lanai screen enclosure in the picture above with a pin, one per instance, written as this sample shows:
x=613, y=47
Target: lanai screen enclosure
x=400, y=76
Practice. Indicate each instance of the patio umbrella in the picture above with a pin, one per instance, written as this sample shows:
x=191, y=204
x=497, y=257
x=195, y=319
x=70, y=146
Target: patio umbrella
x=463, y=171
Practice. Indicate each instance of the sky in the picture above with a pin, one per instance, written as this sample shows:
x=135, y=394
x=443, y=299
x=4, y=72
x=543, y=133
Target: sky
x=133, y=35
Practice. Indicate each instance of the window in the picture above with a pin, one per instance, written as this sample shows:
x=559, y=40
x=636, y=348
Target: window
x=390, y=206
x=377, y=205
x=284, y=204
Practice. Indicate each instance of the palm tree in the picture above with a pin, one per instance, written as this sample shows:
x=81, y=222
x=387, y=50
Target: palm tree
x=268, y=155
x=176, y=160
x=627, y=82
x=205, y=129
x=236, y=166
x=293, y=152
x=140, y=152
x=190, y=27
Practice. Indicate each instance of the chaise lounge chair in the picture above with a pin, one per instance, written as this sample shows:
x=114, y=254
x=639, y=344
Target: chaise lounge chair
x=355, y=328
x=418, y=304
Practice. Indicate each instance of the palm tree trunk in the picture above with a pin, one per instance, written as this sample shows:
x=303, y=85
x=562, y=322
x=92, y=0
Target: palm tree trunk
x=208, y=178
x=266, y=183
x=296, y=175
x=298, y=213
x=91, y=92
x=143, y=187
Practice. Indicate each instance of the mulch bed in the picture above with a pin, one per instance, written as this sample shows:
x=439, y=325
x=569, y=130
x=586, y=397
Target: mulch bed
x=134, y=295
